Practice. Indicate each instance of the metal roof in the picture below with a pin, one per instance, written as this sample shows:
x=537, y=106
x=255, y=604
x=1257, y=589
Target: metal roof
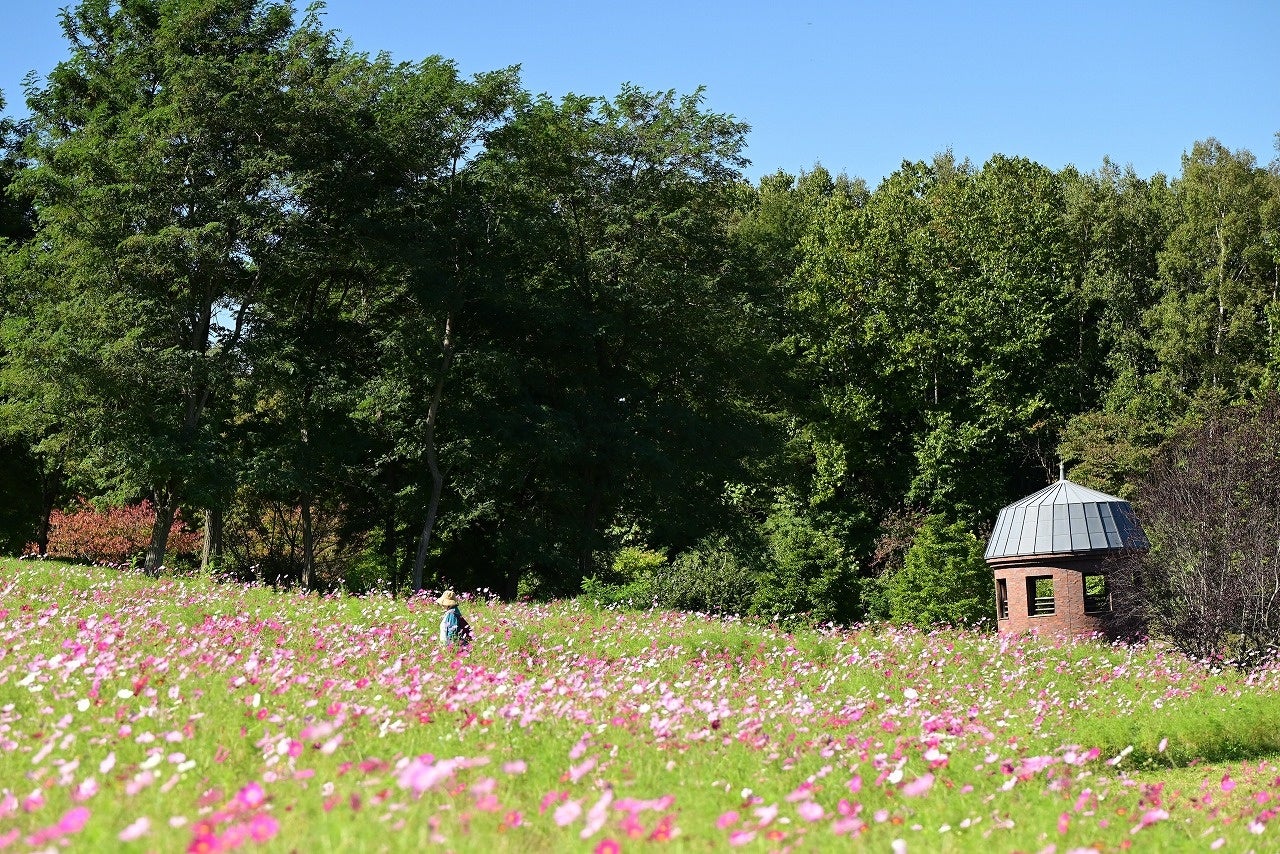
x=1065, y=518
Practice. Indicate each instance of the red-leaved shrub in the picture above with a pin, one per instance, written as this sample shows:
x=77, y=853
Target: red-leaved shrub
x=118, y=535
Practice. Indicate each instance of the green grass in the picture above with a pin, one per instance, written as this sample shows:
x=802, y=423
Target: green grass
x=676, y=705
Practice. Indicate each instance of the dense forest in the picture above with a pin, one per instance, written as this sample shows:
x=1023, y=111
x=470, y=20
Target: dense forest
x=377, y=324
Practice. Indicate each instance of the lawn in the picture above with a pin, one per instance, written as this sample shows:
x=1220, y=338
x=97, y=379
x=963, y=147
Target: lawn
x=179, y=714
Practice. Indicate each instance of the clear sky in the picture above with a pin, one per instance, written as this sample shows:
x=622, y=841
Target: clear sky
x=857, y=86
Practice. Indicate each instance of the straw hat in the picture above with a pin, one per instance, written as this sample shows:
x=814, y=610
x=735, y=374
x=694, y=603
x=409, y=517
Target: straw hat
x=447, y=599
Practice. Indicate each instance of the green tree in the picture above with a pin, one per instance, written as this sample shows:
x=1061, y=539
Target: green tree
x=807, y=573
x=1212, y=329
x=943, y=580
x=629, y=357
x=161, y=186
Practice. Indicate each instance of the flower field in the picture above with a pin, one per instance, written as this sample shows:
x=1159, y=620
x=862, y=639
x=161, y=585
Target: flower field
x=177, y=715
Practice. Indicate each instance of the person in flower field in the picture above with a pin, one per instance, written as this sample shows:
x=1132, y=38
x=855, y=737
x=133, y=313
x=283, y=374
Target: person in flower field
x=454, y=628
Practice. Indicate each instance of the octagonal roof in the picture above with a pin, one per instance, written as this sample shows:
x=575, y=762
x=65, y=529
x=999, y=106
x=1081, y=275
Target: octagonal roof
x=1065, y=518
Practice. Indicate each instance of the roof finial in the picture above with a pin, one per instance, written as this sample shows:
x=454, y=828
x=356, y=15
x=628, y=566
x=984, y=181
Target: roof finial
x=1062, y=470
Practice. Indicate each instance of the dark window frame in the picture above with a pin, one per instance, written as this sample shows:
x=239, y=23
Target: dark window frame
x=1041, y=606
x=1096, y=603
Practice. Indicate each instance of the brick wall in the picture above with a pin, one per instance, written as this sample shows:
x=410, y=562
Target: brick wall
x=1067, y=572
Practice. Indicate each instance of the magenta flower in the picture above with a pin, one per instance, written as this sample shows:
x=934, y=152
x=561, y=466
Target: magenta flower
x=263, y=827
x=727, y=819
x=251, y=796
x=74, y=820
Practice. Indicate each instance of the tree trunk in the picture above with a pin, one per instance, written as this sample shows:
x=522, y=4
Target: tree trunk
x=211, y=553
x=166, y=508
x=389, y=551
x=437, y=479
x=308, y=547
x=50, y=487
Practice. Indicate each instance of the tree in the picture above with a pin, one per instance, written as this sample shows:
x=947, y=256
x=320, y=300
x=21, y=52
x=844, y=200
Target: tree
x=1210, y=506
x=627, y=348
x=161, y=187
x=943, y=580
x=1211, y=330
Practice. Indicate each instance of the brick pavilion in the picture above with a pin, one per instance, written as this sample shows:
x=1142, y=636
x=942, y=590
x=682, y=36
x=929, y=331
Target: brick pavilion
x=1048, y=552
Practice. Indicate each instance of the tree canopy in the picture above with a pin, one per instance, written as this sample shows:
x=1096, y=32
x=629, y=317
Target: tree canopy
x=368, y=322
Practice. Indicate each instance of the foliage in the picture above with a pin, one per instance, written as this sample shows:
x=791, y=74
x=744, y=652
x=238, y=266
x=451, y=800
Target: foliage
x=264, y=542
x=807, y=575
x=943, y=581
x=1211, y=507
x=117, y=536
x=713, y=578
x=384, y=324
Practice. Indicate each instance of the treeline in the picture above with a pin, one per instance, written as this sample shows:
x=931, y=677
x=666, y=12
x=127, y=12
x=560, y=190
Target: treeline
x=378, y=323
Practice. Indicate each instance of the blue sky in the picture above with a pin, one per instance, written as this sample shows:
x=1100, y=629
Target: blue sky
x=857, y=86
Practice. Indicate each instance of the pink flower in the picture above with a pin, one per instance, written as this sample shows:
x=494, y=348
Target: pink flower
x=516, y=767
x=1227, y=783
x=631, y=826
x=137, y=830
x=74, y=820
x=607, y=846
x=550, y=798
x=263, y=827
x=855, y=784
x=918, y=786
x=1149, y=818
x=727, y=819
x=567, y=813
x=810, y=811
x=597, y=814
x=1064, y=822
x=741, y=837
x=766, y=814
x=577, y=772
x=849, y=824
x=251, y=796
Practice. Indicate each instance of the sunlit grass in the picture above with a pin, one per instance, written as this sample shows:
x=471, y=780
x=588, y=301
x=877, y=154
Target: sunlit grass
x=149, y=707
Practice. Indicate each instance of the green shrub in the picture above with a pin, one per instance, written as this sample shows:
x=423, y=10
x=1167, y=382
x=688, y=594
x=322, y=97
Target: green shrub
x=809, y=578
x=636, y=594
x=633, y=563
x=943, y=580
x=712, y=579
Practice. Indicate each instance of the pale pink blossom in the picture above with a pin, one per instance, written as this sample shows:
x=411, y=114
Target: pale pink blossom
x=918, y=786
x=136, y=830
x=567, y=813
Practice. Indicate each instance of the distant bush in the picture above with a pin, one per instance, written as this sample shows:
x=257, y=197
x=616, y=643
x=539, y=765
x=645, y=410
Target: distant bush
x=943, y=579
x=712, y=579
x=807, y=577
x=629, y=582
x=116, y=535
